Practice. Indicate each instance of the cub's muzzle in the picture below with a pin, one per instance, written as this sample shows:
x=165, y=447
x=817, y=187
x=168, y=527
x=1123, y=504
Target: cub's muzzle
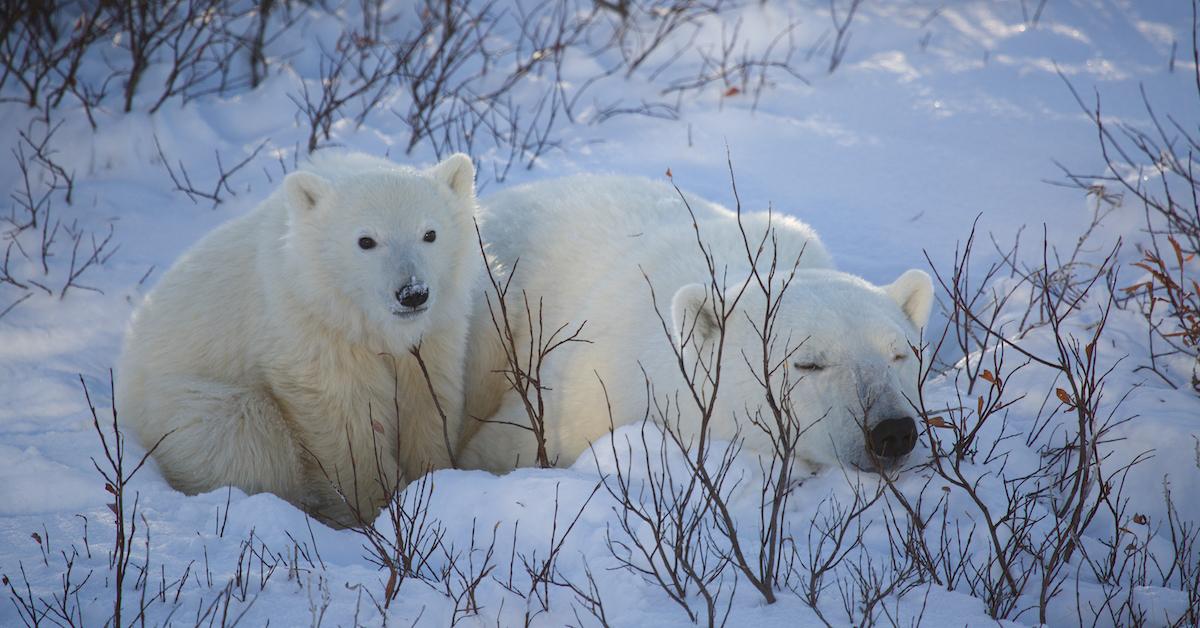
x=413, y=295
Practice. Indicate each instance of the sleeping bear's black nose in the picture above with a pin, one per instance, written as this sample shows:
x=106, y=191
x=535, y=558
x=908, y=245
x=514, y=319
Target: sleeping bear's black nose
x=413, y=295
x=893, y=438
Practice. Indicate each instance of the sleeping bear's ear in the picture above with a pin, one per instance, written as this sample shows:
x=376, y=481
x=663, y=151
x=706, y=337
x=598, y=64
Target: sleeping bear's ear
x=458, y=173
x=913, y=292
x=692, y=315
x=305, y=190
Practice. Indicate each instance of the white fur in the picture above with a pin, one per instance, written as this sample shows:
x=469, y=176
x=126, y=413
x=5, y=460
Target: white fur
x=264, y=356
x=590, y=248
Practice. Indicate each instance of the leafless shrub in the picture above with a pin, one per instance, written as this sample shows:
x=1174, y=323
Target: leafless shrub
x=464, y=92
x=255, y=564
x=770, y=276
x=62, y=607
x=542, y=570
x=682, y=553
x=33, y=235
x=870, y=581
x=1155, y=166
x=117, y=476
x=1170, y=286
x=841, y=32
x=460, y=575
x=1183, y=570
x=408, y=542
x=220, y=189
x=737, y=70
x=42, y=45
x=415, y=538
x=411, y=545
x=462, y=75
x=81, y=261
x=190, y=32
x=199, y=51
x=645, y=28
x=1034, y=533
x=832, y=537
x=256, y=39
x=41, y=176
x=523, y=358
x=357, y=69
x=588, y=596
x=1029, y=18
x=435, y=73
x=36, y=138
x=697, y=545
x=678, y=553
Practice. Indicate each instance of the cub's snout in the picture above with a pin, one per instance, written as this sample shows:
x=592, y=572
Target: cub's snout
x=413, y=295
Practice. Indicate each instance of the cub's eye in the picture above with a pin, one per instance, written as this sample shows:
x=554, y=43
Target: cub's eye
x=430, y=235
x=808, y=367
x=366, y=243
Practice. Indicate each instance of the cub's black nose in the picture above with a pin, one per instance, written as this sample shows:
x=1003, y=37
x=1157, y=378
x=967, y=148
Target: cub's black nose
x=413, y=295
x=893, y=438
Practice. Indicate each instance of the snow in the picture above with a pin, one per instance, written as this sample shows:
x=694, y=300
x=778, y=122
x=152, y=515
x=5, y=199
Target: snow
x=890, y=157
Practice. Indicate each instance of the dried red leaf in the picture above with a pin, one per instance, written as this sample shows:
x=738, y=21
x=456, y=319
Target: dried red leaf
x=1140, y=519
x=1063, y=396
x=732, y=91
x=937, y=421
x=37, y=537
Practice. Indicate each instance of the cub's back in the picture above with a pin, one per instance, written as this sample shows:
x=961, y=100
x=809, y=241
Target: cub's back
x=200, y=316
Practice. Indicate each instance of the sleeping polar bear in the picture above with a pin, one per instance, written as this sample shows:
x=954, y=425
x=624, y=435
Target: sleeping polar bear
x=621, y=256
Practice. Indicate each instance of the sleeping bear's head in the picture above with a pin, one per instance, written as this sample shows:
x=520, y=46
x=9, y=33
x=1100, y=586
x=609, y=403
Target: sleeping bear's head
x=841, y=368
x=380, y=249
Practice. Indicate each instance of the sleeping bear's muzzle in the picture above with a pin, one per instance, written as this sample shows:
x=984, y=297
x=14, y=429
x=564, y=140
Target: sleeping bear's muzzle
x=892, y=438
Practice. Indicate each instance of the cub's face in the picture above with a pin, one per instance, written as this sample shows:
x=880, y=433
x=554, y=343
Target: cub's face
x=840, y=364
x=389, y=242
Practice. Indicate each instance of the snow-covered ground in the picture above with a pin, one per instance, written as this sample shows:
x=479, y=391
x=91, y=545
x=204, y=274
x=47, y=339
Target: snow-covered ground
x=938, y=113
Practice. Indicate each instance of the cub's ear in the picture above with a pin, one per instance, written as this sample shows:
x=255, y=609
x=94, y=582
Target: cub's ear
x=695, y=323
x=458, y=173
x=913, y=292
x=305, y=190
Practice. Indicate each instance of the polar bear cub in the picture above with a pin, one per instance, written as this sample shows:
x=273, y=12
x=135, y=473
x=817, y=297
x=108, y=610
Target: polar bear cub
x=276, y=354
x=621, y=254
